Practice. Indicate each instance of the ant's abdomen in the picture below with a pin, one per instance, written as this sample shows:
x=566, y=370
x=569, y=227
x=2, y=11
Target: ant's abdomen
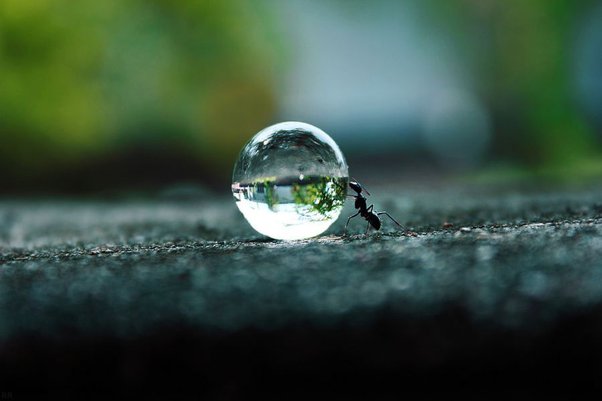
x=374, y=221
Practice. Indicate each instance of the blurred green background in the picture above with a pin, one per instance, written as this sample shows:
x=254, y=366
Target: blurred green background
x=115, y=94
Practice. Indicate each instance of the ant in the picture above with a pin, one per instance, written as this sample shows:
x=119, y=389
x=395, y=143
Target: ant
x=367, y=212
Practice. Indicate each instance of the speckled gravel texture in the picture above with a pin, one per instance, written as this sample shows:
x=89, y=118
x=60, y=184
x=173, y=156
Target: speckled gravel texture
x=479, y=274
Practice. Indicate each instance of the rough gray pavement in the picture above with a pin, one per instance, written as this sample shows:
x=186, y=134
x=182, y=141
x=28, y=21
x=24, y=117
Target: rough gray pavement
x=505, y=261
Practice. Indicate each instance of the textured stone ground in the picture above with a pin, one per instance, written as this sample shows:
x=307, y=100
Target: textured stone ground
x=496, y=288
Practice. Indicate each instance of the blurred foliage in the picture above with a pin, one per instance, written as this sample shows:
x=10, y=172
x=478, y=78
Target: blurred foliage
x=523, y=58
x=311, y=195
x=80, y=79
x=320, y=194
x=531, y=73
x=83, y=82
x=268, y=187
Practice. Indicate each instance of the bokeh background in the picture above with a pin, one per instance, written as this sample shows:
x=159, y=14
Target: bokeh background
x=134, y=95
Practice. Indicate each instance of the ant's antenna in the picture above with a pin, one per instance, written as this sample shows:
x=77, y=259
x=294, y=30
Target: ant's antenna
x=363, y=188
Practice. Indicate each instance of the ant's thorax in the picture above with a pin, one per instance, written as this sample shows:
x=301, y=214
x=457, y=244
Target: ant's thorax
x=360, y=202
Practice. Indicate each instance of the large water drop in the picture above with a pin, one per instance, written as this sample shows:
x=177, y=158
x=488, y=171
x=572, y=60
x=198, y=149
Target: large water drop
x=290, y=181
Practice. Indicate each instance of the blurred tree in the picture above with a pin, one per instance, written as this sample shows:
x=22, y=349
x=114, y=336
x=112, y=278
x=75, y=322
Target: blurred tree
x=84, y=80
x=523, y=51
x=51, y=105
x=530, y=81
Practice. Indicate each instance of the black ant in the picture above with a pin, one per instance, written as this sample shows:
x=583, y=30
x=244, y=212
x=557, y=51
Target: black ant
x=367, y=212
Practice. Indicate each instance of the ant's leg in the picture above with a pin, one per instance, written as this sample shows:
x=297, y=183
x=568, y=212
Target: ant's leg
x=389, y=216
x=350, y=217
x=369, y=210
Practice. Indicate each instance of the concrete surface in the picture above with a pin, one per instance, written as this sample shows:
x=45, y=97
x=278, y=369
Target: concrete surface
x=487, y=288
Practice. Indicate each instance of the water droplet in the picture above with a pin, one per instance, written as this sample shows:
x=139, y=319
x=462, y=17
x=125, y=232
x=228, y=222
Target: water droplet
x=290, y=181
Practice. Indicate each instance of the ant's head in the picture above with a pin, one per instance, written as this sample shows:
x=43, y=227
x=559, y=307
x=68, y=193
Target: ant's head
x=355, y=186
